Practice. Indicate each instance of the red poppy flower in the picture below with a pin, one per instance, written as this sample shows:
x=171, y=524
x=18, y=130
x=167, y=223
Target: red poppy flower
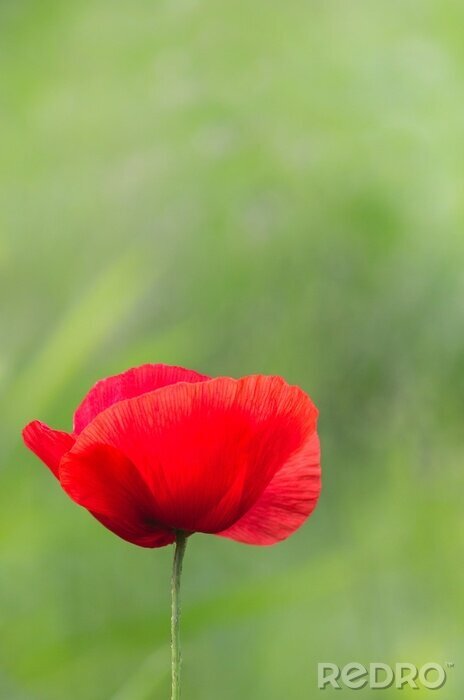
x=160, y=449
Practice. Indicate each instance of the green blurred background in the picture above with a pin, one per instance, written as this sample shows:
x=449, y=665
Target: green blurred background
x=236, y=187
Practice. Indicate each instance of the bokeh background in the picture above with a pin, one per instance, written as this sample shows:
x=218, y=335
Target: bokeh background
x=236, y=187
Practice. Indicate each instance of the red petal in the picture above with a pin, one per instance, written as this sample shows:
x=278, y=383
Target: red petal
x=49, y=445
x=127, y=385
x=286, y=502
x=206, y=450
x=101, y=479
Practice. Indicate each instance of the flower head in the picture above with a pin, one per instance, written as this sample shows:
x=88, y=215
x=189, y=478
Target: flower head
x=161, y=449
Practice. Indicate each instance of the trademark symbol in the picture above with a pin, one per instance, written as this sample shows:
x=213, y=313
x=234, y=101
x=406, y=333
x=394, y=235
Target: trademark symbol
x=450, y=664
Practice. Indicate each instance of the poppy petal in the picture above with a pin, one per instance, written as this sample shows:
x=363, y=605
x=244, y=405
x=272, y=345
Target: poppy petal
x=49, y=445
x=101, y=479
x=206, y=450
x=285, y=503
x=153, y=538
x=133, y=382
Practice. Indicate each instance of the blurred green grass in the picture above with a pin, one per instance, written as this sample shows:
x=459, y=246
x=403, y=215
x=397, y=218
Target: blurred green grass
x=236, y=187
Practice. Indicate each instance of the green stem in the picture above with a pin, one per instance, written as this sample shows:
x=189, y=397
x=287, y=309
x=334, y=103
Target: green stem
x=181, y=542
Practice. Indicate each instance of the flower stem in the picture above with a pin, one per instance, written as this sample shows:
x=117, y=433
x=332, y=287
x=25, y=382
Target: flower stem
x=181, y=542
